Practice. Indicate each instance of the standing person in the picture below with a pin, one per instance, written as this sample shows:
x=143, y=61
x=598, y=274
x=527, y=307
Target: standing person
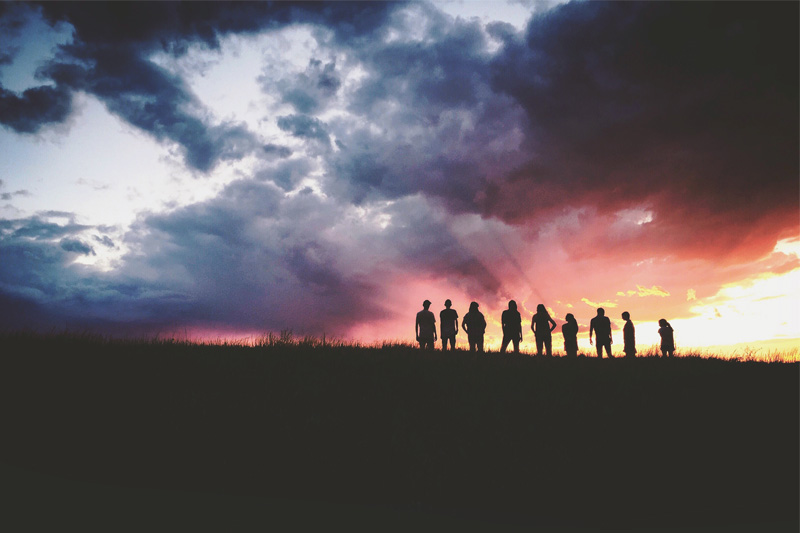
x=628, y=335
x=475, y=325
x=601, y=326
x=425, y=327
x=570, y=332
x=448, y=322
x=667, y=338
x=543, y=326
x=511, y=321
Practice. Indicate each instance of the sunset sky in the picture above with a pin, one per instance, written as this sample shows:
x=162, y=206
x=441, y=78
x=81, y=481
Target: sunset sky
x=222, y=170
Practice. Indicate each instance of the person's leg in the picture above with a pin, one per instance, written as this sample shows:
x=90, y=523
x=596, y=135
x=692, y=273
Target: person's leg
x=503, y=346
x=452, y=342
x=444, y=344
x=539, y=344
x=480, y=344
x=548, y=346
x=599, y=346
x=608, y=349
x=516, y=344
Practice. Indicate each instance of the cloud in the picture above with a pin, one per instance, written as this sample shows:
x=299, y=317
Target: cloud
x=655, y=290
x=310, y=91
x=10, y=195
x=109, y=58
x=76, y=246
x=675, y=107
x=35, y=108
x=277, y=150
x=40, y=229
x=598, y=304
x=608, y=142
x=305, y=127
x=105, y=240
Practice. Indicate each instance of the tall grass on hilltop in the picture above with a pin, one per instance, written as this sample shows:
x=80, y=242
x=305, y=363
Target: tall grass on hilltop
x=286, y=338
x=690, y=441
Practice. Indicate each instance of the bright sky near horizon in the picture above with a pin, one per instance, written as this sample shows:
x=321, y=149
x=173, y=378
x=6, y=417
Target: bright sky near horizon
x=231, y=169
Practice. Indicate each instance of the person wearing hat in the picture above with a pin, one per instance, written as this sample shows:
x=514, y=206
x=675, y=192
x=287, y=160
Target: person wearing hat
x=448, y=322
x=475, y=325
x=426, y=327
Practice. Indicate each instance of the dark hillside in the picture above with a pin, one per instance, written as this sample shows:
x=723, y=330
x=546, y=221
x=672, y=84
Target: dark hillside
x=514, y=439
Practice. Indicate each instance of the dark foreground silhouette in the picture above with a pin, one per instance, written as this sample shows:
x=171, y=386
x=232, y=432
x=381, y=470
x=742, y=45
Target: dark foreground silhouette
x=578, y=442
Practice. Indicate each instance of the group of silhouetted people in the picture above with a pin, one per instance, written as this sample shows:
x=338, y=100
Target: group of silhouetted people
x=542, y=325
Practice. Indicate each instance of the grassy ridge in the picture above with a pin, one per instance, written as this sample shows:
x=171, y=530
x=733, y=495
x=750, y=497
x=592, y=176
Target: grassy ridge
x=575, y=442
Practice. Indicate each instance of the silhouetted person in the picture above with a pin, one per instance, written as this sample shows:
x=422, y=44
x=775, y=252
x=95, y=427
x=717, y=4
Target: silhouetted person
x=570, y=332
x=543, y=326
x=667, y=338
x=601, y=326
x=628, y=336
x=475, y=325
x=511, y=321
x=448, y=322
x=425, y=327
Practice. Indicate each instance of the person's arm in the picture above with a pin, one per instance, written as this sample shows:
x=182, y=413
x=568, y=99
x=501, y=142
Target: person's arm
x=435, y=338
x=416, y=328
x=533, y=324
x=463, y=325
x=591, y=329
x=610, y=334
x=553, y=326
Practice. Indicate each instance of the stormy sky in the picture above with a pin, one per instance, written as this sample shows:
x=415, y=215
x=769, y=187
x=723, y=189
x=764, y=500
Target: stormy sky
x=236, y=168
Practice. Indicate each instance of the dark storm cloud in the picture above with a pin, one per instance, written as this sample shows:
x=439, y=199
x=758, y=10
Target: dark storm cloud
x=252, y=258
x=110, y=59
x=270, y=267
x=287, y=174
x=277, y=150
x=76, y=246
x=686, y=111
x=39, y=285
x=105, y=240
x=311, y=90
x=690, y=109
x=428, y=120
x=305, y=127
x=36, y=107
x=148, y=97
x=419, y=241
x=10, y=195
x=7, y=57
x=36, y=228
x=296, y=261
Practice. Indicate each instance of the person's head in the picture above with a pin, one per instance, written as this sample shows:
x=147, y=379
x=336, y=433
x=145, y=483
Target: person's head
x=473, y=306
x=662, y=322
x=626, y=315
x=512, y=305
x=570, y=317
x=426, y=304
x=541, y=309
x=601, y=311
x=448, y=303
